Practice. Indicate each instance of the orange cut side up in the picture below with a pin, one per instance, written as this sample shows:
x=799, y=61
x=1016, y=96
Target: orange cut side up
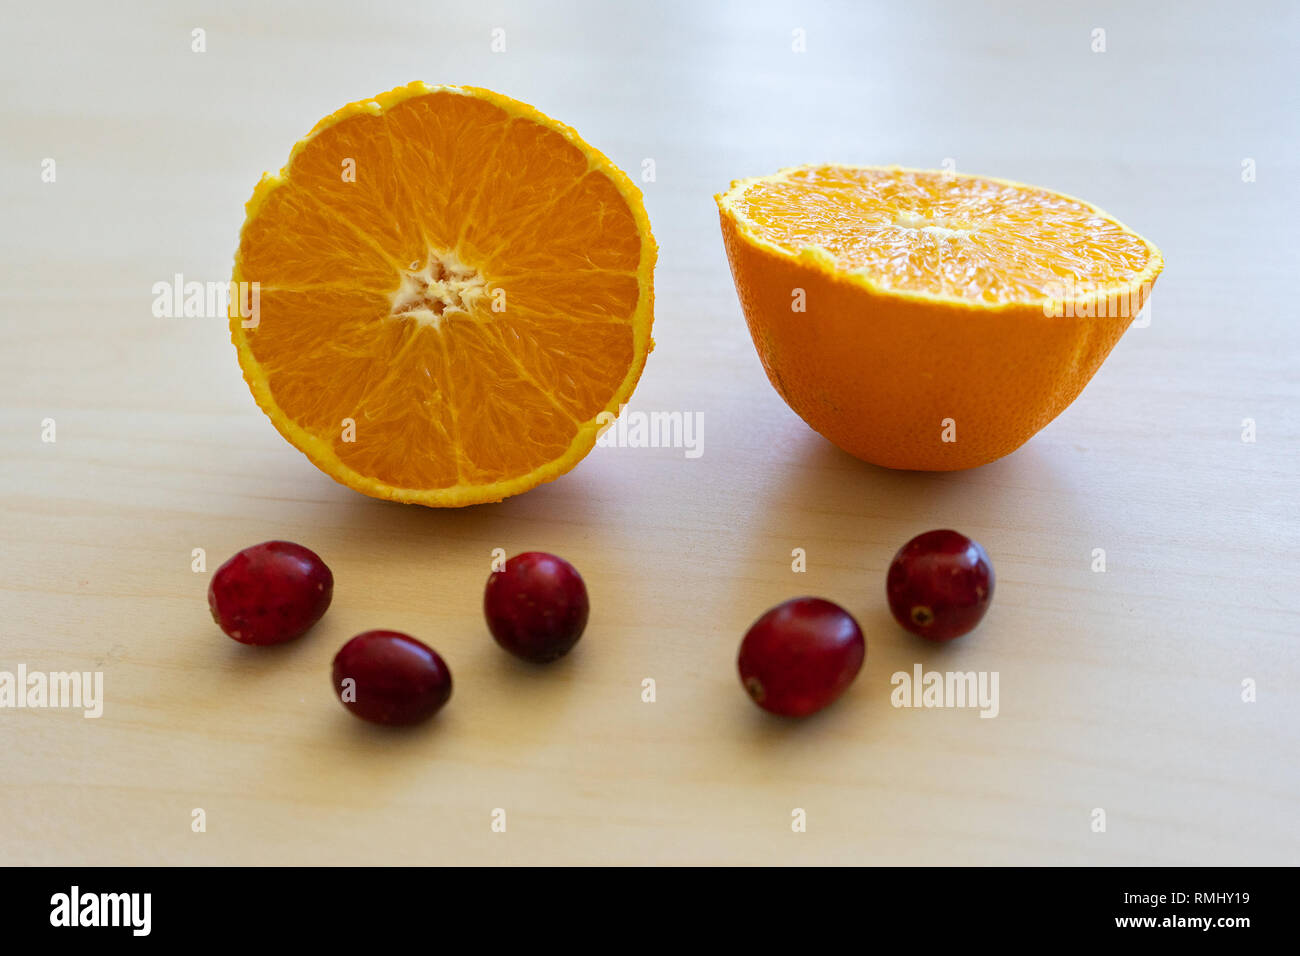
x=924, y=319
x=451, y=288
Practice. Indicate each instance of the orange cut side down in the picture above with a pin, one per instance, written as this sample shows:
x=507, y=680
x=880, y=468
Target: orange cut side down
x=446, y=290
x=928, y=320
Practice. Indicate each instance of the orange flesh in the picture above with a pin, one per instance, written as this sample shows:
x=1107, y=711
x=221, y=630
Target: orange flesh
x=960, y=237
x=377, y=295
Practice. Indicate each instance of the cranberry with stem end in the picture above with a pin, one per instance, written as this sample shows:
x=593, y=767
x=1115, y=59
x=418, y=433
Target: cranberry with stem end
x=270, y=593
x=940, y=584
x=387, y=677
x=800, y=656
x=536, y=606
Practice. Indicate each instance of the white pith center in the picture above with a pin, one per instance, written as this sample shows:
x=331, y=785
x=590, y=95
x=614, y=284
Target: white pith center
x=939, y=228
x=439, y=288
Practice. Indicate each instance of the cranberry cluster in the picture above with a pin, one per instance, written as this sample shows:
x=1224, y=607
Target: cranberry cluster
x=796, y=659
x=536, y=608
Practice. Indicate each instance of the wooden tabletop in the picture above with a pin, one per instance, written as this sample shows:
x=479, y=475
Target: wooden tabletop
x=1120, y=691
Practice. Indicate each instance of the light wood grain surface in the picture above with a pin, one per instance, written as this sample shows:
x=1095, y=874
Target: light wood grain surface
x=1119, y=690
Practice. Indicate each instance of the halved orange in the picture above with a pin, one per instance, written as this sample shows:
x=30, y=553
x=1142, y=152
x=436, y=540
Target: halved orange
x=451, y=289
x=924, y=319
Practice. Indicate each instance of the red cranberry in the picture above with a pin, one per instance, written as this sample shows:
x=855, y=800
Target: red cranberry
x=536, y=607
x=270, y=593
x=394, y=679
x=800, y=656
x=940, y=584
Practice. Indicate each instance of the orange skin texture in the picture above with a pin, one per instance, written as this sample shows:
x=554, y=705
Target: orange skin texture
x=877, y=374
